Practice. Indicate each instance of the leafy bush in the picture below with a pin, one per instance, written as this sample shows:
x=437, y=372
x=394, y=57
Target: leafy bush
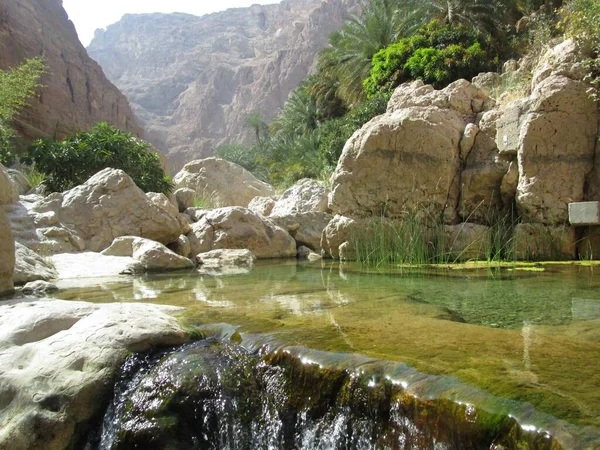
x=71, y=162
x=16, y=86
x=437, y=54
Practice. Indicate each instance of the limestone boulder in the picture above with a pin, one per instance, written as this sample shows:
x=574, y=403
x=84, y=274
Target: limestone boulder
x=305, y=253
x=181, y=246
x=263, y=205
x=565, y=59
x=535, y=241
x=306, y=228
x=195, y=214
x=185, y=198
x=556, y=149
x=483, y=171
x=29, y=266
x=7, y=256
x=151, y=255
x=408, y=159
x=464, y=98
x=221, y=183
x=338, y=233
x=240, y=228
x=466, y=241
x=163, y=201
x=306, y=196
x=8, y=193
x=7, y=243
x=107, y=206
x=58, y=363
x=20, y=183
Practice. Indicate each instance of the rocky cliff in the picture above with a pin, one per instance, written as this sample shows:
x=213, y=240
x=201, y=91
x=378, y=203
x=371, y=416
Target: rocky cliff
x=76, y=93
x=193, y=80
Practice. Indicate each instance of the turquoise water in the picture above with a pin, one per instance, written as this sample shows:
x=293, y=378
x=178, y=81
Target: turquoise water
x=529, y=337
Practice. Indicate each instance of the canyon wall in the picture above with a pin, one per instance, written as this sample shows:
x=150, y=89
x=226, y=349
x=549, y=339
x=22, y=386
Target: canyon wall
x=76, y=94
x=193, y=80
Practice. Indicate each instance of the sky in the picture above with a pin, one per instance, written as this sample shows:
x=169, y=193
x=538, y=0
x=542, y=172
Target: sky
x=89, y=15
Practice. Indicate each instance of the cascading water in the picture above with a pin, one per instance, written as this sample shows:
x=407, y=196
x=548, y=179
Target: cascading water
x=215, y=394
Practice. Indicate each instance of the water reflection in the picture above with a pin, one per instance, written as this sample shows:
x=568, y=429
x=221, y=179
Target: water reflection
x=532, y=337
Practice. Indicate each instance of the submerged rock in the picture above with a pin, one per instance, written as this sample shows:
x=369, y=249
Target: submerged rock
x=39, y=288
x=226, y=261
x=58, y=360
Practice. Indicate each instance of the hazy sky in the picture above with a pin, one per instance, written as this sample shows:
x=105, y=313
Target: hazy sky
x=89, y=15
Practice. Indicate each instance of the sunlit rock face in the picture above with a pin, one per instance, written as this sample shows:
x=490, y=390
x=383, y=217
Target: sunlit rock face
x=193, y=80
x=76, y=93
x=58, y=359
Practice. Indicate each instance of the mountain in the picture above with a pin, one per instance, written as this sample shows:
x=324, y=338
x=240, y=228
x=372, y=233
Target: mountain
x=193, y=80
x=76, y=93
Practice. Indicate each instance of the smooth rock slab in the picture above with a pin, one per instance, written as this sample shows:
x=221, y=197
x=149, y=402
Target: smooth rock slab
x=58, y=360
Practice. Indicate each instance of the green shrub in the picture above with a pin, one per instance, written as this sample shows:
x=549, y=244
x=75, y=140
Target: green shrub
x=71, y=162
x=17, y=85
x=437, y=54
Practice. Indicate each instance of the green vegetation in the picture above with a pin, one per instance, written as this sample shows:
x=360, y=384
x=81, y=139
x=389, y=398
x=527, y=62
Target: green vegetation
x=17, y=85
x=389, y=42
x=437, y=54
x=71, y=162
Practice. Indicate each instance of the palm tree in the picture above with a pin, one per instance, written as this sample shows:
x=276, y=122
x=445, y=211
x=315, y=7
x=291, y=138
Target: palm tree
x=482, y=16
x=299, y=115
x=256, y=121
x=351, y=49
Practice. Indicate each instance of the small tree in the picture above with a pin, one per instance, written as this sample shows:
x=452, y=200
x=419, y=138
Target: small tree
x=17, y=85
x=71, y=162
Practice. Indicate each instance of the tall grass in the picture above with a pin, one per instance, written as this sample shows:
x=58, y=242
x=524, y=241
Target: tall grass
x=409, y=241
x=414, y=240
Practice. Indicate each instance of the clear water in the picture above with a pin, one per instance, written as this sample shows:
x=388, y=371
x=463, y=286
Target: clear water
x=530, y=337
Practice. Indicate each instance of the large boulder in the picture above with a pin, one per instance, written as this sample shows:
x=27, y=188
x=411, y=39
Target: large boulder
x=29, y=266
x=20, y=183
x=7, y=256
x=221, y=183
x=306, y=196
x=406, y=160
x=226, y=259
x=151, y=256
x=240, y=228
x=59, y=359
x=109, y=205
x=7, y=244
x=556, y=149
